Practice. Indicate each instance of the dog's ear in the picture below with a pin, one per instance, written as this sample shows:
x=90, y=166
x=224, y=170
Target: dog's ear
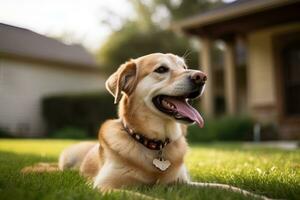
x=123, y=80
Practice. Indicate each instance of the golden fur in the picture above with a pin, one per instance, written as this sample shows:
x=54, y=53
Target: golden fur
x=117, y=160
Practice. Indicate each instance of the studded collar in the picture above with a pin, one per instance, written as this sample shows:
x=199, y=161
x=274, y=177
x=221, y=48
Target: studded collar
x=149, y=143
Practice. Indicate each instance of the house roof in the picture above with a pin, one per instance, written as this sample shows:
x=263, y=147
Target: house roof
x=237, y=10
x=24, y=43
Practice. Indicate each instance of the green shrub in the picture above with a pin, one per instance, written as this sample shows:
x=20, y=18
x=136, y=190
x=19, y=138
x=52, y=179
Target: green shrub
x=223, y=129
x=70, y=132
x=83, y=111
x=4, y=134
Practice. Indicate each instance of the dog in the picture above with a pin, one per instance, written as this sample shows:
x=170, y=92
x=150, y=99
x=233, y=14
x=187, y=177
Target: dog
x=147, y=143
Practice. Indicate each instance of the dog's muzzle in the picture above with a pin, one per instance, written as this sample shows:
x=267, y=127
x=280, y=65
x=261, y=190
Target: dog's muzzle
x=178, y=106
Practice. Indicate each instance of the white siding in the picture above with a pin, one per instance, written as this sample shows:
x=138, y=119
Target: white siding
x=22, y=85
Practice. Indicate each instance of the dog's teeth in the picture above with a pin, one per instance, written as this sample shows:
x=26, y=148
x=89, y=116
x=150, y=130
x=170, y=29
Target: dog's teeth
x=178, y=115
x=168, y=104
x=172, y=106
x=165, y=103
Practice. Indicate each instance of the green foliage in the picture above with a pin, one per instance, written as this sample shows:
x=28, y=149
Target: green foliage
x=85, y=112
x=188, y=8
x=223, y=129
x=143, y=35
x=4, y=134
x=70, y=132
x=131, y=43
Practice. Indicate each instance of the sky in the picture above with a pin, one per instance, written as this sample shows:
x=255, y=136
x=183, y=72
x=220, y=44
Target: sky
x=76, y=20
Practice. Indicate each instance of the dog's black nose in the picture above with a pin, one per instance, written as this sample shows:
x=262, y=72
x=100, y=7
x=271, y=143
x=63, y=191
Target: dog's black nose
x=198, y=78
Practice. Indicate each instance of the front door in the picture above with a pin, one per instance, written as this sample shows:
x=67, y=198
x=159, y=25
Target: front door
x=291, y=78
x=287, y=62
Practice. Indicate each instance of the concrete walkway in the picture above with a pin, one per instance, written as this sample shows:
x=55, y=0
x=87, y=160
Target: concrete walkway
x=287, y=145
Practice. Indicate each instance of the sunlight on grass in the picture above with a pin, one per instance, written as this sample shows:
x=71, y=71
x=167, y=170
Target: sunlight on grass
x=246, y=167
x=272, y=172
x=40, y=147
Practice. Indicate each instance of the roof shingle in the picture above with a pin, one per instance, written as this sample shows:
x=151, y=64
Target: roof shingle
x=22, y=42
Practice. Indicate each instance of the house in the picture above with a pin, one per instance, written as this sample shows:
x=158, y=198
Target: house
x=33, y=66
x=266, y=84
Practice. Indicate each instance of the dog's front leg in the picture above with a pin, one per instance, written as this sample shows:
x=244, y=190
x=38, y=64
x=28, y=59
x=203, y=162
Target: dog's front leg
x=110, y=187
x=111, y=179
x=183, y=175
x=229, y=188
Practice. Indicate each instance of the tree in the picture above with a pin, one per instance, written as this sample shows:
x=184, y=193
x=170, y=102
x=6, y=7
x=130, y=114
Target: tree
x=130, y=43
x=180, y=9
x=146, y=35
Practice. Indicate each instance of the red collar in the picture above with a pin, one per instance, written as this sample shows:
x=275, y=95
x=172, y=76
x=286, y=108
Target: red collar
x=149, y=143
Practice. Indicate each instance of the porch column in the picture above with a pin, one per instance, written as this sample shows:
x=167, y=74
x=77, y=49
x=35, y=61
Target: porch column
x=230, y=77
x=207, y=103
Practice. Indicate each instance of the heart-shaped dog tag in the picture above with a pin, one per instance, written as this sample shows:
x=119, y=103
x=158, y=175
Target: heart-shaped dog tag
x=161, y=164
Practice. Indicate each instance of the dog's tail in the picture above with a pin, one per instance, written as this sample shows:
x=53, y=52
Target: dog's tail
x=41, y=167
x=70, y=158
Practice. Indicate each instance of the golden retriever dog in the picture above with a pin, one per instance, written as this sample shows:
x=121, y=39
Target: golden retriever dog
x=146, y=144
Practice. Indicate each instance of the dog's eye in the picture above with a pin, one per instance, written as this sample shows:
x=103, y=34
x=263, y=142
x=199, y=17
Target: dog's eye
x=161, y=69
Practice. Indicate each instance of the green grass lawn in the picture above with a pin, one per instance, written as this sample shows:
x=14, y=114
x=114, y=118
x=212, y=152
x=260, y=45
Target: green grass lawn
x=271, y=172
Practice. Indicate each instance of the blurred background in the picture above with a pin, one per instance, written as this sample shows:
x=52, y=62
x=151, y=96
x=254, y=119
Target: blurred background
x=56, y=55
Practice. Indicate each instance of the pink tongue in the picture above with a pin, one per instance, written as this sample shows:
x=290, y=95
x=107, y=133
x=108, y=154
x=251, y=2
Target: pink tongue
x=187, y=110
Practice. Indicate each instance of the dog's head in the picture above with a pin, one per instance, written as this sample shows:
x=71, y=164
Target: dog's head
x=162, y=83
